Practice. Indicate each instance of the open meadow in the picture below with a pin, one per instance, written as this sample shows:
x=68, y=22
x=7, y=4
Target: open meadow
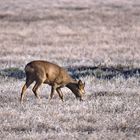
x=95, y=40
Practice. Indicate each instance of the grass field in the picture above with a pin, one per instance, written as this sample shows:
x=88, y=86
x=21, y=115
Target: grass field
x=97, y=41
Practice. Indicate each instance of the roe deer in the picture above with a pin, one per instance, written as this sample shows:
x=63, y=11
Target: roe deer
x=53, y=75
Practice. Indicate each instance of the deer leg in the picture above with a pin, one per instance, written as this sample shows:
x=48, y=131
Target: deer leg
x=35, y=88
x=54, y=87
x=52, y=92
x=60, y=94
x=26, y=85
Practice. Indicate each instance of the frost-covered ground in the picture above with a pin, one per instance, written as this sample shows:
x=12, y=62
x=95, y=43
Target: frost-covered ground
x=71, y=33
x=114, y=113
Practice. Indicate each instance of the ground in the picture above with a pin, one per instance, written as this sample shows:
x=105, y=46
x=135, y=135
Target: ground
x=98, y=42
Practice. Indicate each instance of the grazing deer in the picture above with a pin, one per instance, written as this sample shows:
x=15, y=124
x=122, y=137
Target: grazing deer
x=53, y=75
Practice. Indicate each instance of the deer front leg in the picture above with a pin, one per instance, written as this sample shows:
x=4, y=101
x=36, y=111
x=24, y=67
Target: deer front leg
x=60, y=94
x=52, y=91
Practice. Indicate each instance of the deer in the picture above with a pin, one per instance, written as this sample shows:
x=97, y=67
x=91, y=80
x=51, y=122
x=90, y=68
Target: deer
x=44, y=72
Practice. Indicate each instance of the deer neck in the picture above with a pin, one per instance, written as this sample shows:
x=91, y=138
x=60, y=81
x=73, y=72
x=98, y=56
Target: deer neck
x=72, y=86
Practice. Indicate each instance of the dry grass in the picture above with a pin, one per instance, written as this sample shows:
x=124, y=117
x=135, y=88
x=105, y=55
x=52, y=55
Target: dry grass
x=71, y=33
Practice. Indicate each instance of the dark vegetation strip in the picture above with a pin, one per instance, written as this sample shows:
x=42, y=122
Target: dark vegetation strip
x=104, y=72
x=35, y=18
x=100, y=72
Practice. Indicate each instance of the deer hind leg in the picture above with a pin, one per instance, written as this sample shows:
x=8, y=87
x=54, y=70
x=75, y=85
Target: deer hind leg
x=60, y=94
x=35, y=88
x=26, y=85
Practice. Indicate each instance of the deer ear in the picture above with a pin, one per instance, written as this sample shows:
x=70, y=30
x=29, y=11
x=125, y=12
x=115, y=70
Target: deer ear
x=79, y=82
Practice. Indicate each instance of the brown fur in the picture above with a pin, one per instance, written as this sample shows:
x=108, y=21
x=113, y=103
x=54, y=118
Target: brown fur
x=53, y=75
